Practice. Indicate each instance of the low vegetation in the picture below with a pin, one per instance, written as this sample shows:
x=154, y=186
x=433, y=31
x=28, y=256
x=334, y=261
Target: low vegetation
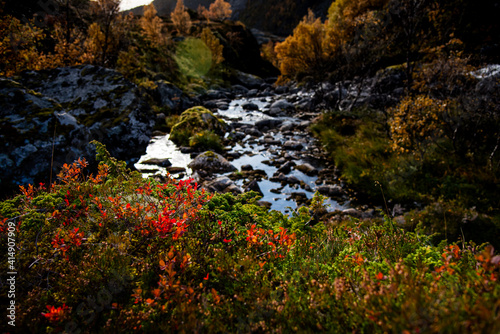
x=116, y=252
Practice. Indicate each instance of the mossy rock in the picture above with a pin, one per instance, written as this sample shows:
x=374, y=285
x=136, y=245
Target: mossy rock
x=194, y=120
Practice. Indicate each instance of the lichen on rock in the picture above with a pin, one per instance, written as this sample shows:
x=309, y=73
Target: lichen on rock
x=62, y=110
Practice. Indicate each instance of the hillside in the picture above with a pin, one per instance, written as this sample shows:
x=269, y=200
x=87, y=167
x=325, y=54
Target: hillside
x=280, y=16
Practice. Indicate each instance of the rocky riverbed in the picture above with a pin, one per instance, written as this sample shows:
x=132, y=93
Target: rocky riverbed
x=268, y=147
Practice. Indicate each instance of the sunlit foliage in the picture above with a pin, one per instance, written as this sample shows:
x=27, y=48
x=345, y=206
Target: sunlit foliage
x=19, y=46
x=213, y=43
x=180, y=18
x=218, y=11
x=307, y=51
x=153, y=26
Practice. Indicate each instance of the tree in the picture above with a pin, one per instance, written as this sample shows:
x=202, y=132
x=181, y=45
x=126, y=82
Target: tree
x=180, y=18
x=213, y=44
x=306, y=50
x=218, y=11
x=153, y=26
x=105, y=40
x=18, y=46
x=69, y=29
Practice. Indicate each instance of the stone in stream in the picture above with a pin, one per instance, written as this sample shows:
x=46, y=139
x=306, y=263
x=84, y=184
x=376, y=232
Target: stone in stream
x=246, y=167
x=299, y=197
x=253, y=186
x=307, y=169
x=211, y=162
x=158, y=162
x=176, y=170
x=330, y=190
x=223, y=184
x=195, y=120
x=293, y=145
x=250, y=106
x=268, y=123
x=287, y=167
x=287, y=126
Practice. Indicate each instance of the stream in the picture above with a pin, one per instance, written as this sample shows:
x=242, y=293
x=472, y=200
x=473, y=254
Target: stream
x=266, y=150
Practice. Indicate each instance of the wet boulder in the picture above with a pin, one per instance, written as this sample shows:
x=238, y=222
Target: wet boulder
x=307, y=169
x=211, y=162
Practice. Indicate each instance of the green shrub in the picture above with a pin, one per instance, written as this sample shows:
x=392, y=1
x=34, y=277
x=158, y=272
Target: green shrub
x=206, y=140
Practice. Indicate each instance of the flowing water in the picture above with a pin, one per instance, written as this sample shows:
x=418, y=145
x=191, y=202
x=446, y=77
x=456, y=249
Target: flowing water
x=250, y=151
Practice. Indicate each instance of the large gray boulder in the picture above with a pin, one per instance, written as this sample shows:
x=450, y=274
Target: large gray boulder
x=64, y=109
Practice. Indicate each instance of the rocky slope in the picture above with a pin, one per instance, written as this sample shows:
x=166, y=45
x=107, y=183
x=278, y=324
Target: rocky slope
x=61, y=111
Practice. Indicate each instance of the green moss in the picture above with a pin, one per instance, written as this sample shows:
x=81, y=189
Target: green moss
x=195, y=120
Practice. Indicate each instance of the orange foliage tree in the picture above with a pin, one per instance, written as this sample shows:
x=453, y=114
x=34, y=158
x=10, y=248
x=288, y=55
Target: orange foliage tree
x=153, y=26
x=218, y=11
x=180, y=18
x=104, y=33
x=307, y=50
x=18, y=46
x=213, y=43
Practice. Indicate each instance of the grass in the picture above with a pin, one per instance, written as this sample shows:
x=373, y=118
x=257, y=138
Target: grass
x=360, y=145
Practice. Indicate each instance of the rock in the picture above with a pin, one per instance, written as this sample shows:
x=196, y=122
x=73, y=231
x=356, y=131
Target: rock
x=195, y=120
x=239, y=89
x=286, y=167
x=265, y=204
x=330, y=190
x=211, y=162
x=249, y=80
x=278, y=177
x=287, y=126
x=157, y=162
x=82, y=103
x=293, y=145
x=249, y=106
x=299, y=197
x=253, y=186
x=268, y=123
x=281, y=90
x=234, y=189
x=292, y=180
x=353, y=213
x=212, y=105
x=282, y=104
x=253, y=132
x=176, y=170
x=246, y=167
x=271, y=141
x=276, y=191
x=307, y=169
x=171, y=96
x=219, y=184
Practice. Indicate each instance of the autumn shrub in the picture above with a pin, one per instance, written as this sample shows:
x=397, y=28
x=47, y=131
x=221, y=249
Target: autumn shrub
x=113, y=252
